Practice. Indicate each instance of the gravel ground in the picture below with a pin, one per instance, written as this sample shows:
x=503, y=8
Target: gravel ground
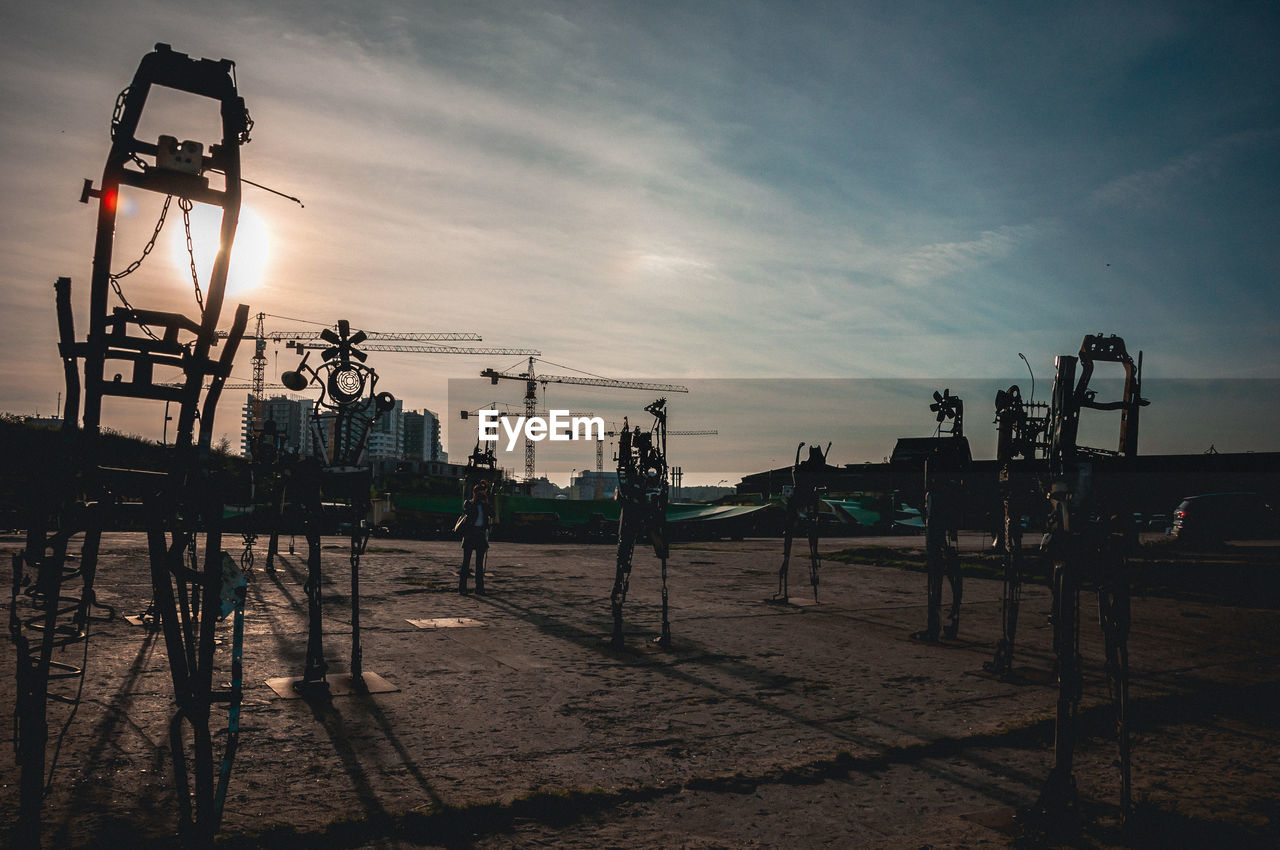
x=764, y=725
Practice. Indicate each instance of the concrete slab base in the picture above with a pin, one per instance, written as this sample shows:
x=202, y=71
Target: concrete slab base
x=335, y=685
x=448, y=623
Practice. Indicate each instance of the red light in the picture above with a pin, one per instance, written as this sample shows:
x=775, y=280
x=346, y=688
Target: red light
x=109, y=198
x=1179, y=514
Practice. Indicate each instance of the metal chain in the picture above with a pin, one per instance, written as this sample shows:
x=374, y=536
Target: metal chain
x=116, y=117
x=118, y=114
x=186, y=205
x=151, y=243
x=246, y=557
x=133, y=267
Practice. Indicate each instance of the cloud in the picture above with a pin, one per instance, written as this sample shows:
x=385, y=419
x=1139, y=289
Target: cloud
x=931, y=263
x=684, y=191
x=1153, y=187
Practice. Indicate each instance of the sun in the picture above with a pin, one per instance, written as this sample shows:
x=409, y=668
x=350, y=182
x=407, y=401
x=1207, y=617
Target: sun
x=250, y=252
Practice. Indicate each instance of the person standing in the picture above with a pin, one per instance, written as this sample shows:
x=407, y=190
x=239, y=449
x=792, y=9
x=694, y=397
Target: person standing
x=477, y=516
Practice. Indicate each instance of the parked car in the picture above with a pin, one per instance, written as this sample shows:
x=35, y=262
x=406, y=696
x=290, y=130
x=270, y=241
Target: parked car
x=1215, y=517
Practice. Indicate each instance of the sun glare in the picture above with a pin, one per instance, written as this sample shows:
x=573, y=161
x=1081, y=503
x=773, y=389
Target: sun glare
x=250, y=251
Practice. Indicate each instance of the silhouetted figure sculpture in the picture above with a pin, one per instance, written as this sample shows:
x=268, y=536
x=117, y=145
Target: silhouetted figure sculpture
x=642, y=489
x=942, y=513
x=267, y=487
x=803, y=508
x=477, y=516
x=1090, y=535
x=336, y=471
x=942, y=555
x=1018, y=444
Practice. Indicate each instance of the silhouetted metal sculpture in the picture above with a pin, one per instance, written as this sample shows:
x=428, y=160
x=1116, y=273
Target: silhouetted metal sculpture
x=642, y=489
x=943, y=491
x=1020, y=454
x=341, y=418
x=944, y=468
x=193, y=589
x=482, y=465
x=268, y=489
x=1090, y=534
x=803, y=512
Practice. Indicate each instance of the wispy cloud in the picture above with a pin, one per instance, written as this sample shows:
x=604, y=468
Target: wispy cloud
x=931, y=263
x=1153, y=187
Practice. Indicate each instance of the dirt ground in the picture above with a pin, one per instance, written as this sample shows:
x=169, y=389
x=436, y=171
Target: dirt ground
x=764, y=725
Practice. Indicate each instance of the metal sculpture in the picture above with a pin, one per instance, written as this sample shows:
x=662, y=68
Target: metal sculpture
x=803, y=510
x=269, y=469
x=1019, y=452
x=482, y=465
x=195, y=586
x=1090, y=534
x=642, y=489
x=944, y=468
x=340, y=422
x=949, y=406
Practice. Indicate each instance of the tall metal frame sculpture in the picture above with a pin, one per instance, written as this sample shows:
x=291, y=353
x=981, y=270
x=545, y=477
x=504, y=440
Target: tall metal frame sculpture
x=1090, y=535
x=803, y=512
x=943, y=471
x=642, y=489
x=193, y=589
x=341, y=419
x=1020, y=453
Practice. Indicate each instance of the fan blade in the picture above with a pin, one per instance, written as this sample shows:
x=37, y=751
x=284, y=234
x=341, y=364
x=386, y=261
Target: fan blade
x=330, y=337
x=936, y=397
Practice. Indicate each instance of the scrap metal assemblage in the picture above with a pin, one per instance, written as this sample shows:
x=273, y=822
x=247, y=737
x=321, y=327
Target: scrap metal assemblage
x=198, y=588
x=195, y=584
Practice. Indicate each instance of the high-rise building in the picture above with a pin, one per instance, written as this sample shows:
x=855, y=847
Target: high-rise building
x=394, y=436
x=413, y=435
x=291, y=416
x=386, y=435
x=422, y=437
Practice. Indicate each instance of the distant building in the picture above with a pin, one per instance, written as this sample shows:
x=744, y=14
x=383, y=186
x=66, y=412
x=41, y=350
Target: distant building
x=43, y=421
x=394, y=437
x=291, y=416
x=386, y=435
x=422, y=437
x=588, y=482
x=414, y=435
x=542, y=488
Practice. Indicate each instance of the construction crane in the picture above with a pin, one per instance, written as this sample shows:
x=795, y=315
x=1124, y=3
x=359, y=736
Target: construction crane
x=599, y=494
x=411, y=342
x=532, y=380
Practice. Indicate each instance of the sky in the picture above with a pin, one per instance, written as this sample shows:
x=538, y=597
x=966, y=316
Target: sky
x=700, y=191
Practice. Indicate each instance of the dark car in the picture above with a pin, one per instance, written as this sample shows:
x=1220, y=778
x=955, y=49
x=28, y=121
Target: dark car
x=1215, y=517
